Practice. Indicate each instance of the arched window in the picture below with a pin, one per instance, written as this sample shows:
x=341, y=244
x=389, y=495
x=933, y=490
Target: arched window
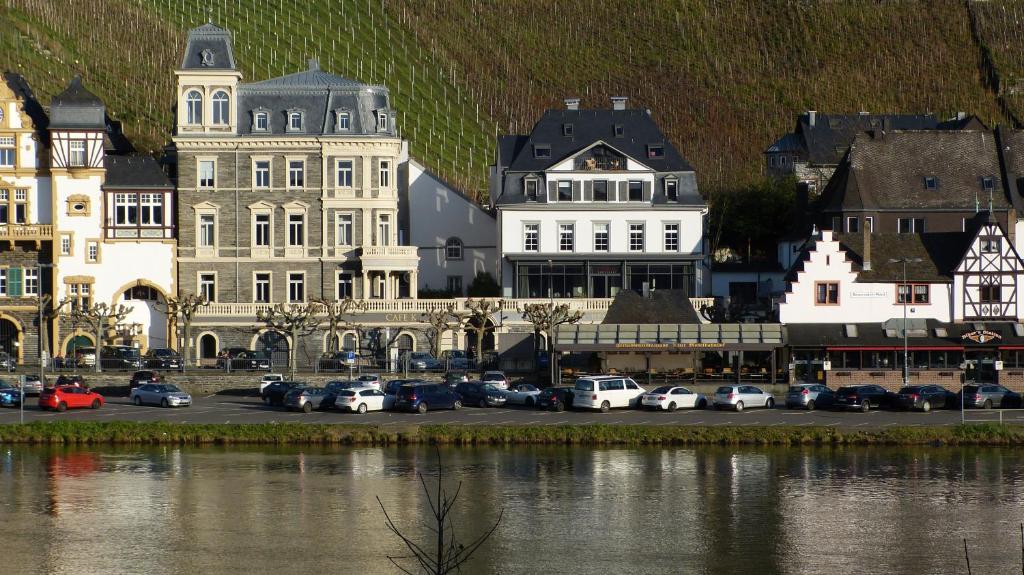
x=220, y=107
x=194, y=108
x=349, y=342
x=453, y=249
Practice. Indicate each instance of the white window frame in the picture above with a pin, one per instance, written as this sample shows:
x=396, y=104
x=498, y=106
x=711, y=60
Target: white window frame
x=200, y=181
x=643, y=236
x=290, y=120
x=204, y=240
x=453, y=249
x=92, y=252
x=338, y=173
x=666, y=230
x=194, y=108
x=201, y=283
x=854, y=220
x=384, y=174
x=343, y=122
x=607, y=236
x=256, y=283
x=30, y=282
x=257, y=171
x=293, y=170
x=382, y=121
x=260, y=121
x=674, y=184
x=67, y=238
x=8, y=151
x=291, y=240
x=220, y=108
x=269, y=245
x=869, y=223
x=78, y=158
x=567, y=237
x=383, y=229
x=558, y=190
x=526, y=236
x=536, y=188
x=292, y=275
x=339, y=217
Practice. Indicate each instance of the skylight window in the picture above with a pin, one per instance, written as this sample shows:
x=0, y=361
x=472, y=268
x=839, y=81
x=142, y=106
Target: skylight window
x=988, y=183
x=567, y=129
x=541, y=151
x=655, y=151
x=931, y=183
x=620, y=130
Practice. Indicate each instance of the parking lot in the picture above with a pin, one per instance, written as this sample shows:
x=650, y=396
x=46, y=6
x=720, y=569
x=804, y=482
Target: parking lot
x=236, y=409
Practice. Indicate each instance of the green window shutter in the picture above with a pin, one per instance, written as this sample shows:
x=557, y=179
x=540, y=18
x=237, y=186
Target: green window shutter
x=14, y=282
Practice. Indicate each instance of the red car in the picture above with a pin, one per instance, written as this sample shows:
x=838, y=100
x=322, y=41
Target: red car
x=64, y=396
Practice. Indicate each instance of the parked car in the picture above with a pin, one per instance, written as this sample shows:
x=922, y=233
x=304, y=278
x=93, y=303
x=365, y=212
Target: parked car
x=739, y=397
x=67, y=397
x=925, y=397
x=670, y=398
x=863, y=397
x=392, y=386
x=270, y=378
x=456, y=359
x=73, y=379
x=453, y=378
x=422, y=397
x=34, y=385
x=362, y=399
x=555, y=398
x=251, y=361
x=606, y=391
x=85, y=357
x=809, y=396
x=274, y=393
x=496, y=378
x=987, y=396
x=120, y=357
x=422, y=361
x=370, y=380
x=337, y=361
x=142, y=377
x=7, y=362
x=162, y=394
x=480, y=394
x=523, y=394
x=162, y=358
x=10, y=394
x=308, y=398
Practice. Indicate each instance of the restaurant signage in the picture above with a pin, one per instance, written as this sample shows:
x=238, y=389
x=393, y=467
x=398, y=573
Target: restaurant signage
x=981, y=336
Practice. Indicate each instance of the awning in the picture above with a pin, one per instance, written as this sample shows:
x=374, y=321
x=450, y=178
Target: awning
x=674, y=337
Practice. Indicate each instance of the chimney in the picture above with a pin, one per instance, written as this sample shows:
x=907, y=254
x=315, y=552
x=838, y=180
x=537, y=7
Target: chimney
x=619, y=102
x=314, y=64
x=961, y=115
x=866, y=265
x=812, y=115
x=572, y=103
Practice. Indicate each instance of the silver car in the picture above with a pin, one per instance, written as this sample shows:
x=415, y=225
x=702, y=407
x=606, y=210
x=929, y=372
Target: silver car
x=162, y=394
x=739, y=397
x=309, y=398
x=809, y=395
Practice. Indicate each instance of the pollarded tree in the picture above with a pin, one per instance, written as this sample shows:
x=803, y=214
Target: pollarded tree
x=182, y=309
x=478, y=321
x=545, y=318
x=337, y=314
x=441, y=319
x=100, y=317
x=296, y=320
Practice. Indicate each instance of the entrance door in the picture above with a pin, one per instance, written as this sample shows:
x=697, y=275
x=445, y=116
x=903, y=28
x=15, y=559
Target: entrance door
x=274, y=345
x=980, y=367
x=9, y=338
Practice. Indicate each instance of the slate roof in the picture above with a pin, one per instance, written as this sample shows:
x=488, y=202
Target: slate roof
x=208, y=37
x=872, y=335
x=663, y=306
x=1012, y=148
x=134, y=171
x=827, y=140
x=887, y=170
x=77, y=107
x=313, y=77
x=589, y=127
x=939, y=254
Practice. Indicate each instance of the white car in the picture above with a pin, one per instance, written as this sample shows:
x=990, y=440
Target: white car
x=523, y=394
x=495, y=378
x=361, y=400
x=270, y=378
x=670, y=398
x=368, y=380
x=605, y=392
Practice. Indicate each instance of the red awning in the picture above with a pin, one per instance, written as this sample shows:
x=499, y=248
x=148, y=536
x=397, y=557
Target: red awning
x=898, y=348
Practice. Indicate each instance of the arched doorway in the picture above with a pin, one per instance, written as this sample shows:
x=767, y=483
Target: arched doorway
x=274, y=345
x=350, y=342
x=404, y=344
x=146, y=323
x=76, y=342
x=10, y=338
x=208, y=346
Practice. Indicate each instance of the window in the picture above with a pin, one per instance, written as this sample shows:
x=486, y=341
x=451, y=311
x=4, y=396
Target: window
x=931, y=183
x=206, y=170
x=671, y=237
x=541, y=151
x=31, y=281
x=207, y=230
x=65, y=244
x=7, y=149
x=219, y=102
x=531, y=237
x=294, y=121
x=345, y=285
x=151, y=209
x=261, y=122
x=126, y=209
x=636, y=237
x=655, y=151
x=344, y=179
x=601, y=191
x=672, y=190
x=382, y=120
x=567, y=129
x=3, y=281
x=852, y=224
x=208, y=286
x=636, y=191
x=566, y=237
x=194, y=108
x=619, y=130
x=261, y=287
x=296, y=173
x=81, y=295
x=261, y=174
x=453, y=249
x=384, y=230
x=20, y=206
x=912, y=293
x=601, y=237
x=296, y=287
x=826, y=293
x=261, y=230
x=76, y=153
x=531, y=189
x=141, y=293
x=782, y=161
x=988, y=183
x=910, y=225
x=869, y=223
x=344, y=120
x=296, y=229
x=991, y=294
x=5, y=198
x=385, y=174
x=455, y=285
x=344, y=232
x=771, y=161
x=991, y=245
x=92, y=251
x=565, y=191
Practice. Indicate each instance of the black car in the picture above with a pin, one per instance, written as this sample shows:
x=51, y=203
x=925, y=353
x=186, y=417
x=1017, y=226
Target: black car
x=140, y=378
x=162, y=358
x=863, y=397
x=481, y=394
x=925, y=397
x=274, y=393
x=120, y=357
x=70, y=380
x=250, y=360
x=555, y=398
x=420, y=397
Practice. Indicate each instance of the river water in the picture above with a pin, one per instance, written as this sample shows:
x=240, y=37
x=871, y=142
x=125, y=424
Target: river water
x=566, y=510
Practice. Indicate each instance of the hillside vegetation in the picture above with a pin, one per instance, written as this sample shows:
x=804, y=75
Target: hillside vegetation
x=723, y=78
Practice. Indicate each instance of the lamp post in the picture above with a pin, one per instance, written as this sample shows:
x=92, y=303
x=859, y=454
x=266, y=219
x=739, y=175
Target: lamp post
x=39, y=332
x=906, y=298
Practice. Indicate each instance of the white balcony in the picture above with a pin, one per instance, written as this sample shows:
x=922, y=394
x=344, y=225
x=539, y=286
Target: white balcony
x=389, y=258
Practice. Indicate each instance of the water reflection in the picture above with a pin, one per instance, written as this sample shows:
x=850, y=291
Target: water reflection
x=567, y=510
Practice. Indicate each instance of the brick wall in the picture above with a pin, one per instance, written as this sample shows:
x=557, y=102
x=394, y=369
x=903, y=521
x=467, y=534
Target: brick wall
x=893, y=379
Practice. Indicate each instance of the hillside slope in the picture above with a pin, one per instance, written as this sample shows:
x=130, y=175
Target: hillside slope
x=724, y=78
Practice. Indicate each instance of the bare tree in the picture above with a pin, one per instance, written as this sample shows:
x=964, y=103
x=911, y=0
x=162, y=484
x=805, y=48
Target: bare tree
x=448, y=554
x=545, y=318
x=184, y=307
x=442, y=319
x=380, y=339
x=337, y=314
x=478, y=321
x=49, y=312
x=296, y=320
x=100, y=317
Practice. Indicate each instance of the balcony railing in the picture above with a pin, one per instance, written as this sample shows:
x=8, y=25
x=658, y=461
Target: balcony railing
x=26, y=232
x=389, y=251
x=410, y=306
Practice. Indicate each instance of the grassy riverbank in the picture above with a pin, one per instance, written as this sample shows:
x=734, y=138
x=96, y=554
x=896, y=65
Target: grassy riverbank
x=94, y=433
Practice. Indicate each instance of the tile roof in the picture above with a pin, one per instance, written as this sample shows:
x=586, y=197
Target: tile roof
x=828, y=139
x=77, y=107
x=939, y=254
x=134, y=171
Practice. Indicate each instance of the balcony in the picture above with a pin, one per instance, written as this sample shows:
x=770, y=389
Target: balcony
x=512, y=308
x=389, y=258
x=23, y=232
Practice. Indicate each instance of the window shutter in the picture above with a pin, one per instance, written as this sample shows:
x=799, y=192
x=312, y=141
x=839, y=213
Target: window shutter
x=623, y=191
x=14, y=282
x=647, y=191
x=588, y=191
x=552, y=191
x=577, y=191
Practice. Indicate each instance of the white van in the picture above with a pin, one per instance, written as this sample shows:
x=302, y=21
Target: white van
x=605, y=392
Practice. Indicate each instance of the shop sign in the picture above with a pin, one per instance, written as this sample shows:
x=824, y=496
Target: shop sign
x=869, y=293
x=981, y=336
x=999, y=366
x=669, y=346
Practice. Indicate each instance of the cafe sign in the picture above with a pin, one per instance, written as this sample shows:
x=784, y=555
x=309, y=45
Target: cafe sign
x=981, y=336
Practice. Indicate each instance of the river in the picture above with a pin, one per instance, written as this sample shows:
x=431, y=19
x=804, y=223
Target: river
x=706, y=510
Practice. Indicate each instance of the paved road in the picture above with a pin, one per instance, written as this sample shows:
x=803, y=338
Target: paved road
x=231, y=409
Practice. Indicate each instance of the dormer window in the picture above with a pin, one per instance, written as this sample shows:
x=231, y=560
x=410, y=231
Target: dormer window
x=567, y=129
x=382, y=121
x=295, y=120
x=344, y=121
x=260, y=121
x=988, y=183
x=931, y=183
x=620, y=130
x=530, y=189
x=671, y=189
x=655, y=151
x=541, y=151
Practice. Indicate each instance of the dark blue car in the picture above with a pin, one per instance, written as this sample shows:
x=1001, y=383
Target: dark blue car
x=421, y=397
x=10, y=395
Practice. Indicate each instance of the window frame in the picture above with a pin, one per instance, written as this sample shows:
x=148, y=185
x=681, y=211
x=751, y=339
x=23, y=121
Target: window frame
x=453, y=249
x=828, y=293
x=338, y=283
x=296, y=166
x=629, y=190
x=527, y=234
x=567, y=237
x=200, y=180
x=338, y=171
x=605, y=185
x=985, y=293
x=607, y=236
x=78, y=158
x=262, y=168
x=256, y=282
x=201, y=283
x=194, y=108
x=671, y=186
x=293, y=239
x=911, y=288
x=8, y=150
x=338, y=217
x=220, y=108
x=665, y=230
x=384, y=174
x=634, y=234
x=567, y=184
x=301, y=283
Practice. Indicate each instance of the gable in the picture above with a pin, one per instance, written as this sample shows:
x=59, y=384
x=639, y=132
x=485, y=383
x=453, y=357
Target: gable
x=990, y=251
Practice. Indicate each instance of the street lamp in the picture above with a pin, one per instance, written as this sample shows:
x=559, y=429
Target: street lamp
x=906, y=298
